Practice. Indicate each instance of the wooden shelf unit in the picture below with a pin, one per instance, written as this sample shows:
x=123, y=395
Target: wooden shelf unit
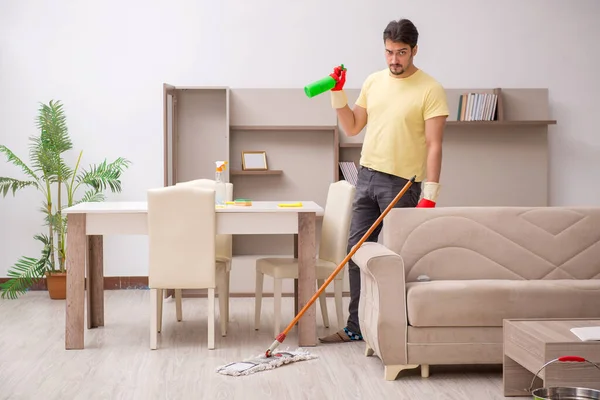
x=236, y=172
x=500, y=162
x=280, y=128
x=474, y=124
x=501, y=123
x=196, y=131
x=488, y=163
x=299, y=135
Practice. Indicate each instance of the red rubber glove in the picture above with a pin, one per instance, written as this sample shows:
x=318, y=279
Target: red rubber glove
x=430, y=194
x=424, y=203
x=339, y=74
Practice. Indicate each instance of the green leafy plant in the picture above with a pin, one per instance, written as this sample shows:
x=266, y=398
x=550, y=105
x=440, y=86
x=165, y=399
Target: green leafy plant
x=59, y=184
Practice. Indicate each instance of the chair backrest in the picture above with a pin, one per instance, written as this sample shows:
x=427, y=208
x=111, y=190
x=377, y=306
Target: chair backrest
x=210, y=183
x=336, y=222
x=224, y=242
x=181, y=233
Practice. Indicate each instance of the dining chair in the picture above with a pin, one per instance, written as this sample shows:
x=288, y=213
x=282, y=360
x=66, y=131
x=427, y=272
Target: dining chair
x=224, y=253
x=182, y=249
x=332, y=251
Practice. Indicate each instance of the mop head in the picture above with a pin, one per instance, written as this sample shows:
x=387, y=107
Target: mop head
x=262, y=363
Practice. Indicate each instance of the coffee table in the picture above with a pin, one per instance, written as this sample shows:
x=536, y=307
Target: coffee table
x=531, y=343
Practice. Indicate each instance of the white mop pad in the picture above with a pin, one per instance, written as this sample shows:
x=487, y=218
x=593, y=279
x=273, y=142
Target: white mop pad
x=262, y=363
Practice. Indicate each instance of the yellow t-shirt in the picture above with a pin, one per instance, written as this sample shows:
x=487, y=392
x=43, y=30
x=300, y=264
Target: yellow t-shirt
x=394, y=141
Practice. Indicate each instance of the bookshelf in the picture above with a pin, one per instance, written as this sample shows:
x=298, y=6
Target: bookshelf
x=491, y=162
x=501, y=123
x=503, y=161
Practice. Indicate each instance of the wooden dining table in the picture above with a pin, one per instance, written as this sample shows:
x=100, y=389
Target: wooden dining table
x=89, y=222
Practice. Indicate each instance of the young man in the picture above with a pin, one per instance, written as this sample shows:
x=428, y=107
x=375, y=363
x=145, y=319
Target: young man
x=405, y=111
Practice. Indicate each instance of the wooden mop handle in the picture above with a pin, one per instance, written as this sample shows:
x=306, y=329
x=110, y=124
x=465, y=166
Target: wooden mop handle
x=349, y=256
x=281, y=337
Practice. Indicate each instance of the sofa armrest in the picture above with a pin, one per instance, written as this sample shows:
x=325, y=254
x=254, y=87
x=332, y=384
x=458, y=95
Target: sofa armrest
x=382, y=307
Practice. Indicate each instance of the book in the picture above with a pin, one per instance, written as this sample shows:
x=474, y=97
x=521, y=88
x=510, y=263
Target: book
x=349, y=171
x=587, y=333
x=477, y=107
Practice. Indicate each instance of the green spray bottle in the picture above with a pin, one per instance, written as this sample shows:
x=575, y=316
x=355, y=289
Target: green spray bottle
x=321, y=86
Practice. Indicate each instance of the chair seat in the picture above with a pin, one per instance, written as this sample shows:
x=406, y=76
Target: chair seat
x=287, y=268
x=332, y=246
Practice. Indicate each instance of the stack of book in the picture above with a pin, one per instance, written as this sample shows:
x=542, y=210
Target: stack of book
x=477, y=107
x=349, y=171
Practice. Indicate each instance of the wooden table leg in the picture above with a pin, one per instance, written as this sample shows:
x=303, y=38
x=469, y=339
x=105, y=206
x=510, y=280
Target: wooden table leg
x=517, y=379
x=307, y=275
x=95, y=281
x=296, y=309
x=76, y=255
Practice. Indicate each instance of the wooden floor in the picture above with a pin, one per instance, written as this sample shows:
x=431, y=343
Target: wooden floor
x=118, y=364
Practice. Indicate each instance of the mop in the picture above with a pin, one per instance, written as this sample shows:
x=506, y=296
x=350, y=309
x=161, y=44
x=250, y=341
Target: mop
x=272, y=359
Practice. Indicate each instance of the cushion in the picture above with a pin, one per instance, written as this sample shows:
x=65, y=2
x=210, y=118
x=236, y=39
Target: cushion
x=488, y=302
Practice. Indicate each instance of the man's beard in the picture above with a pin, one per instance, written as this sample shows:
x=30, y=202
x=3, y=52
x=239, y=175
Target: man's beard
x=400, y=71
x=396, y=71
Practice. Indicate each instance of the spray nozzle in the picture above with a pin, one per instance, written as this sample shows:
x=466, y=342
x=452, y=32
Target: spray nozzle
x=221, y=165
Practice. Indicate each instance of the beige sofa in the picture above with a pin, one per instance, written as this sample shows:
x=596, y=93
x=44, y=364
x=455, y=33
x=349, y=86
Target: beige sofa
x=485, y=265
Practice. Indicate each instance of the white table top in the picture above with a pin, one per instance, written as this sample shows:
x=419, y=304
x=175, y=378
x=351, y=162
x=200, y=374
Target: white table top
x=142, y=207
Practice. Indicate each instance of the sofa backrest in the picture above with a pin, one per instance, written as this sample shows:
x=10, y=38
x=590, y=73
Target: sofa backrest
x=496, y=242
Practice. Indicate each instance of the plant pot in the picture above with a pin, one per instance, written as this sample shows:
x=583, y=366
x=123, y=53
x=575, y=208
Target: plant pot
x=57, y=285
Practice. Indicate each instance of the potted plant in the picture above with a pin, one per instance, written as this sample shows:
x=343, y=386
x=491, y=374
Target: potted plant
x=59, y=184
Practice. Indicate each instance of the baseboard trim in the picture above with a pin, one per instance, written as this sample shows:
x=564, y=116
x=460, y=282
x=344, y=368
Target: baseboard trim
x=110, y=283
x=141, y=282
x=198, y=294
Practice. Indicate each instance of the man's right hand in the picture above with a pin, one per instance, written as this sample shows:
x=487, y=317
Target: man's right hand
x=339, y=74
x=338, y=97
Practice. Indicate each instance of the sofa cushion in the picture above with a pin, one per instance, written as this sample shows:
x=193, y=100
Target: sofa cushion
x=488, y=302
x=496, y=242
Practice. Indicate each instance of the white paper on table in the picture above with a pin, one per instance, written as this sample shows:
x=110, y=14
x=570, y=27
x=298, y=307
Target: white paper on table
x=587, y=333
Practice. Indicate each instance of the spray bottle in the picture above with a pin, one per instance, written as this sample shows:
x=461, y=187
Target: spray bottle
x=321, y=86
x=220, y=189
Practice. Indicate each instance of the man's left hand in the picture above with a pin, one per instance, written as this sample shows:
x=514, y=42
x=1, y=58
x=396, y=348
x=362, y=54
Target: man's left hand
x=430, y=194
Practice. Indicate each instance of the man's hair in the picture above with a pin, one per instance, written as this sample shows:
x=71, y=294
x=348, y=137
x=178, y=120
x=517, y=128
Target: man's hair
x=401, y=31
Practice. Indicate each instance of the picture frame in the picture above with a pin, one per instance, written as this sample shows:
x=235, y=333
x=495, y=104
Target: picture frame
x=254, y=161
